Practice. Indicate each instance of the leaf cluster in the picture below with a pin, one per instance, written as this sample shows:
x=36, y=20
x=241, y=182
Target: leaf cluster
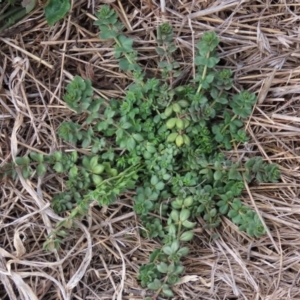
x=111, y=27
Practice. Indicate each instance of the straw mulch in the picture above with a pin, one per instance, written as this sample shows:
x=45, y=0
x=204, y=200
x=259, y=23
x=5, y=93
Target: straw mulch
x=100, y=259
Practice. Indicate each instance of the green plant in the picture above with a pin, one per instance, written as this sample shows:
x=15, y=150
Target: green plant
x=163, y=141
x=56, y=10
x=12, y=11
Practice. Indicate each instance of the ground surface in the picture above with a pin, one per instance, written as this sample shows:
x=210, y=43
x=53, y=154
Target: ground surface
x=260, y=41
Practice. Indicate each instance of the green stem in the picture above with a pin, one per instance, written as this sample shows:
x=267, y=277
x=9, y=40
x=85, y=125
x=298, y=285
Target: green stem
x=168, y=60
x=203, y=75
x=179, y=230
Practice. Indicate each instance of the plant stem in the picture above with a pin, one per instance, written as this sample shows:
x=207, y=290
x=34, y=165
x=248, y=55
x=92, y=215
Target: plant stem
x=179, y=230
x=203, y=75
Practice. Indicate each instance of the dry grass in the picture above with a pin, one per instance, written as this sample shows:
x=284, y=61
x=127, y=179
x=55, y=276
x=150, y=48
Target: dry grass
x=100, y=259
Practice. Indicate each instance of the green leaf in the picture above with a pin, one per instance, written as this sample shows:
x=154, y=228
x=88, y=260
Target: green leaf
x=188, y=201
x=172, y=230
x=183, y=251
x=179, y=140
x=93, y=162
x=168, y=292
x=73, y=172
x=160, y=51
x=126, y=43
x=232, y=213
x=179, y=124
x=130, y=143
x=147, y=155
x=184, y=215
x=26, y=172
x=186, y=236
x=58, y=155
x=236, y=204
x=38, y=157
x=171, y=123
x=183, y=103
x=171, y=48
x=22, y=161
x=138, y=137
x=86, y=142
x=218, y=175
x=174, y=215
x=56, y=10
x=41, y=169
x=86, y=162
x=151, y=148
x=167, y=250
x=98, y=169
x=107, y=32
x=97, y=179
x=58, y=167
x=186, y=140
x=237, y=219
x=160, y=186
x=212, y=212
x=148, y=205
x=179, y=269
x=189, y=225
x=154, y=180
x=166, y=177
x=95, y=105
x=212, y=61
x=176, y=108
x=163, y=64
x=168, y=111
x=224, y=209
x=175, y=246
x=172, y=137
x=126, y=125
x=162, y=267
x=209, y=78
x=201, y=60
x=234, y=175
x=171, y=268
x=124, y=64
x=155, y=285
